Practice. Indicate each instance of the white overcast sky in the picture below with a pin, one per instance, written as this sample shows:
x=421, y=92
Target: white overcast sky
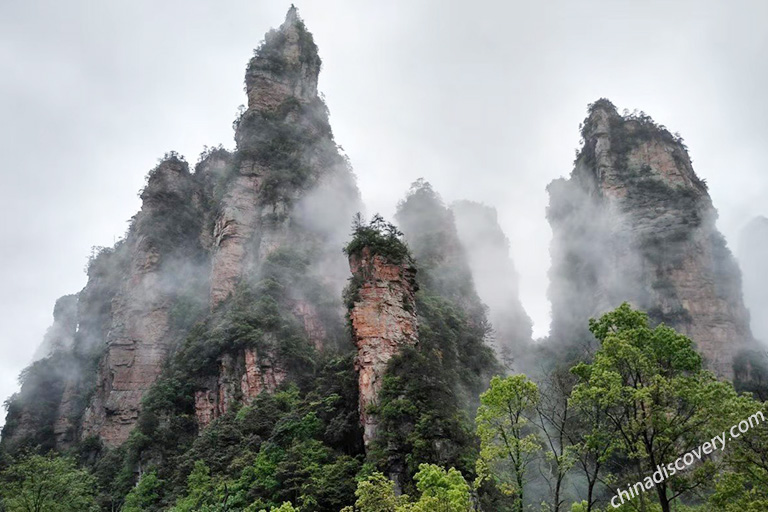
x=481, y=98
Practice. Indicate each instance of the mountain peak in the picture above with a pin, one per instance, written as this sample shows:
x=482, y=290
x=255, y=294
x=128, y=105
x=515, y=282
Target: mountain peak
x=286, y=65
x=604, y=105
x=292, y=16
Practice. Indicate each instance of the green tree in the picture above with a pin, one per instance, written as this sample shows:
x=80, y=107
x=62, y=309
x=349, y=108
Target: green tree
x=592, y=440
x=38, y=483
x=145, y=495
x=737, y=492
x=285, y=507
x=203, y=493
x=441, y=491
x=376, y=494
x=743, y=486
x=554, y=417
x=508, y=444
x=658, y=401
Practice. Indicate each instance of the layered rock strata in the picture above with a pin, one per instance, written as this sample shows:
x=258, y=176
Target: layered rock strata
x=383, y=319
x=635, y=223
x=266, y=219
x=140, y=336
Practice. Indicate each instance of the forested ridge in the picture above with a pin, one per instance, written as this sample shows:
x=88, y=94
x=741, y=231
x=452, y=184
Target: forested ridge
x=241, y=349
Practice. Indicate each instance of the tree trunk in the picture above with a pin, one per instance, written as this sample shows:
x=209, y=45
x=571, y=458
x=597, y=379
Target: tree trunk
x=663, y=499
x=558, y=484
x=591, y=482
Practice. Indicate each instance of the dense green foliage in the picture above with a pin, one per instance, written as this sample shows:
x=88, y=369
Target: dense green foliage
x=43, y=384
x=37, y=483
x=379, y=237
x=311, y=422
x=509, y=444
x=293, y=445
x=439, y=491
x=643, y=400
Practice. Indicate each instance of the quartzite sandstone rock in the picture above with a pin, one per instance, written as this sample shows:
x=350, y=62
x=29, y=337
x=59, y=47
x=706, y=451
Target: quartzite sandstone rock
x=286, y=191
x=383, y=321
x=140, y=336
x=634, y=223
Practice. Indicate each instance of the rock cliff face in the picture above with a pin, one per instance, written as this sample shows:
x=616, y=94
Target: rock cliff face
x=48, y=410
x=496, y=279
x=229, y=283
x=61, y=334
x=239, y=380
x=431, y=391
x=383, y=319
x=286, y=193
x=249, y=237
x=635, y=223
x=141, y=335
x=283, y=111
x=430, y=230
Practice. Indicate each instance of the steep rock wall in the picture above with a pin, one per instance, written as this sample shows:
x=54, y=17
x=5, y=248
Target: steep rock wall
x=383, y=320
x=239, y=380
x=634, y=222
x=141, y=334
x=264, y=222
x=55, y=390
x=286, y=197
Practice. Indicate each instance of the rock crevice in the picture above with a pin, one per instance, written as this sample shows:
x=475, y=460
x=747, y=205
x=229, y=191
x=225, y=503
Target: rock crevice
x=383, y=319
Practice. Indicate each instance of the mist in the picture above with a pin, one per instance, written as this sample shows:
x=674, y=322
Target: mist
x=458, y=94
x=752, y=254
x=495, y=277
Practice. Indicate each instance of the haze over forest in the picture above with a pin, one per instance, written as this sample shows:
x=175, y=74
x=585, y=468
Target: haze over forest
x=479, y=100
x=402, y=295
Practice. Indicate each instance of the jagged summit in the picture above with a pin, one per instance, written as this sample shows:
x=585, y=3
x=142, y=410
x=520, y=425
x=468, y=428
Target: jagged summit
x=226, y=355
x=292, y=16
x=493, y=271
x=286, y=64
x=609, y=153
x=253, y=233
x=635, y=223
x=602, y=105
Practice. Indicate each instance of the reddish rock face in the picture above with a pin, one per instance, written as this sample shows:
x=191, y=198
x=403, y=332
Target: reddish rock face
x=247, y=229
x=200, y=236
x=239, y=380
x=383, y=321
